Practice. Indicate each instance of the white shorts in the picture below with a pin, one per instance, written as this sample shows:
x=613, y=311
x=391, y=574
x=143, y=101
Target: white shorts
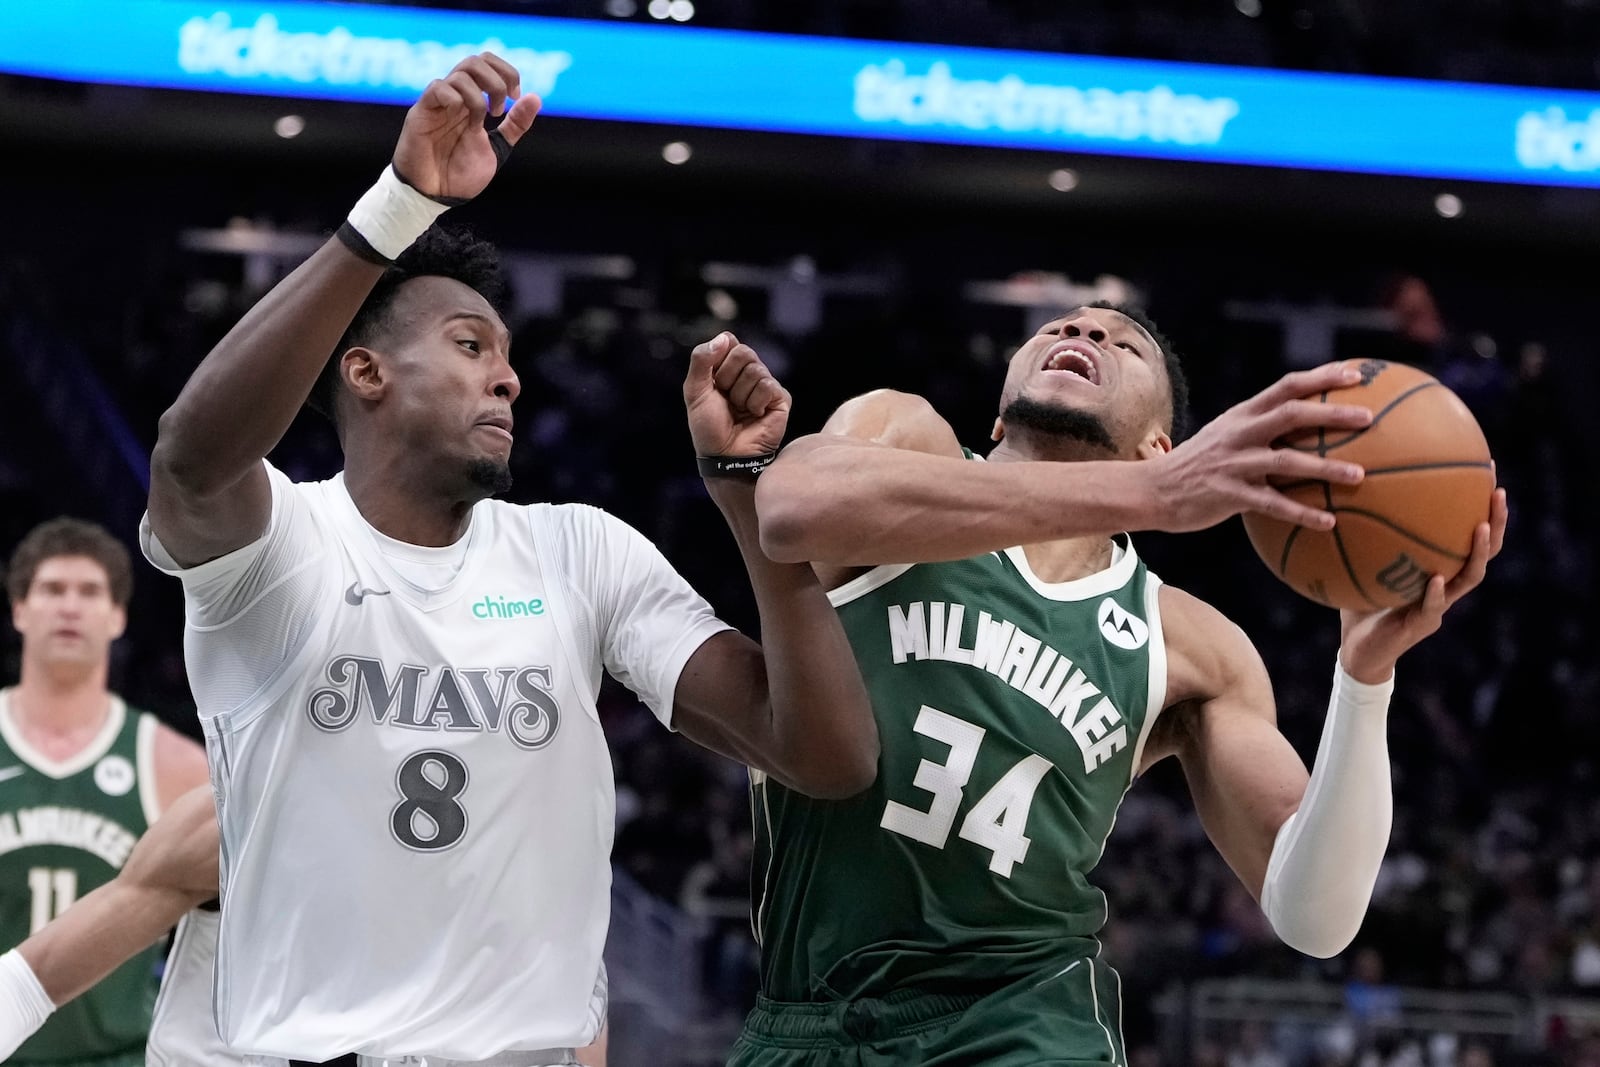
x=183, y=1032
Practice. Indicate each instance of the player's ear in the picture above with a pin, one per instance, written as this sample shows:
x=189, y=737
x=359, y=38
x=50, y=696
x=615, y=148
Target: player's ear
x=362, y=370
x=1155, y=443
x=119, y=621
x=999, y=431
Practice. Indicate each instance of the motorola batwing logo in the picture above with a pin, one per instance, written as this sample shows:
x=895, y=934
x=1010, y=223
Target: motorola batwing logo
x=358, y=592
x=1120, y=628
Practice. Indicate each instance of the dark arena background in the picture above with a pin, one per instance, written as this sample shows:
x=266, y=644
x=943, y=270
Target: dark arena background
x=1401, y=202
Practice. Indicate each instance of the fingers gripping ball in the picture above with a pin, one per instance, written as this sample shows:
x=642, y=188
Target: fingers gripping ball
x=1428, y=485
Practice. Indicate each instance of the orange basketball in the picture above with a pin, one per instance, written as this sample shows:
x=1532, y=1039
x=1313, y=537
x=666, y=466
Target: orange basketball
x=1428, y=485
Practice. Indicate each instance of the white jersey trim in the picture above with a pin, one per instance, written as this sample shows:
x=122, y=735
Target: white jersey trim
x=1124, y=560
x=85, y=757
x=862, y=584
x=1156, y=700
x=145, y=768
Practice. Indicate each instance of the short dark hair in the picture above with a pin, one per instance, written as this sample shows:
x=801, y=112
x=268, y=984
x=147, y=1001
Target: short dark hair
x=70, y=537
x=440, y=252
x=1176, y=379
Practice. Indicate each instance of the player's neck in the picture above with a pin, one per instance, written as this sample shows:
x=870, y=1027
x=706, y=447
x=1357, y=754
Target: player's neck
x=60, y=706
x=1022, y=447
x=1075, y=557
x=1069, y=560
x=405, y=510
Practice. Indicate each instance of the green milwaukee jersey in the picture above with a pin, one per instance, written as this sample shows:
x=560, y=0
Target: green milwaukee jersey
x=66, y=829
x=1012, y=713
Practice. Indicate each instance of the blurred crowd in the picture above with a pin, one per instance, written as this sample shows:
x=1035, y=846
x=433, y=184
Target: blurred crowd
x=1493, y=875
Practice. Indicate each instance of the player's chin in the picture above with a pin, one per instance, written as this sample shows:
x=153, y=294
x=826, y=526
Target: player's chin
x=490, y=474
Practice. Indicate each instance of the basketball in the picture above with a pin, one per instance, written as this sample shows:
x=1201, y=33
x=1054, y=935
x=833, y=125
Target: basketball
x=1428, y=485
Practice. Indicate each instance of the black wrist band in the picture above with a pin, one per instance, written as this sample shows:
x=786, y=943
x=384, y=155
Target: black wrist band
x=352, y=239
x=747, y=468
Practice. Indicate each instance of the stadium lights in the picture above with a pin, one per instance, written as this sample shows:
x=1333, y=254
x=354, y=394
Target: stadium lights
x=1063, y=180
x=676, y=152
x=289, y=126
x=676, y=10
x=1448, y=205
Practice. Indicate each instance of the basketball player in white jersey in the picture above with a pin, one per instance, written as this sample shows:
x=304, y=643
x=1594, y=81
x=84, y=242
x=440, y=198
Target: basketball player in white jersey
x=397, y=675
x=170, y=880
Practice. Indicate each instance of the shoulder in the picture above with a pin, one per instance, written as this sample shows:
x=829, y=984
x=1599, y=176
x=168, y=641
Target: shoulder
x=900, y=420
x=1208, y=654
x=1211, y=663
x=576, y=525
x=593, y=548
x=177, y=761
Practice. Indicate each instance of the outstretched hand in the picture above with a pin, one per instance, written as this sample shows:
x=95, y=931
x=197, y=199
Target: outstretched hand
x=1373, y=641
x=736, y=407
x=444, y=149
x=1232, y=463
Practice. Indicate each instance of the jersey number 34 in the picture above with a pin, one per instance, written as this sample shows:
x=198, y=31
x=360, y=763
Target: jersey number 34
x=996, y=822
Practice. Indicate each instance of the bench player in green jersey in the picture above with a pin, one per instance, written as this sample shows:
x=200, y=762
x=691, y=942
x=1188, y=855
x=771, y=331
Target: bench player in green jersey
x=81, y=777
x=1025, y=666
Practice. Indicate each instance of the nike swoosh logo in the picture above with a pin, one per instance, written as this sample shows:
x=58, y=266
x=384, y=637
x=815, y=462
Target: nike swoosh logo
x=11, y=772
x=357, y=593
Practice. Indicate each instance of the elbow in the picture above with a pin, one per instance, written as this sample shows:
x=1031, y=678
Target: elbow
x=180, y=462
x=1320, y=925
x=788, y=515
x=1318, y=944
x=839, y=772
x=838, y=779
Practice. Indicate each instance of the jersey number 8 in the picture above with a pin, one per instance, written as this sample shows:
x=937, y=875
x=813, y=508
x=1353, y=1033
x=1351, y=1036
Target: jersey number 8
x=428, y=818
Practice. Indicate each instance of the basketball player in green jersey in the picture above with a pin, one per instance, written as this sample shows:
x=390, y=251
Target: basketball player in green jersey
x=81, y=778
x=1025, y=667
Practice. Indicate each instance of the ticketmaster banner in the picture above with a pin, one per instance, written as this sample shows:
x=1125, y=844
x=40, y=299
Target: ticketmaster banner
x=691, y=76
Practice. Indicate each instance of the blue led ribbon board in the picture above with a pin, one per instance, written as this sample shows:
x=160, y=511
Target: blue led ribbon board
x=681, y=75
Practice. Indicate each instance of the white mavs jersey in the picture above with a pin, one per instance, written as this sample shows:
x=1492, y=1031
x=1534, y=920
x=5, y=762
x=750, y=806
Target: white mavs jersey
x=414, y=792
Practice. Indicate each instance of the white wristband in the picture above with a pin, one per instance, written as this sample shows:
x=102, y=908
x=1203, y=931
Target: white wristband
x=23, y=1004
x=390, y=216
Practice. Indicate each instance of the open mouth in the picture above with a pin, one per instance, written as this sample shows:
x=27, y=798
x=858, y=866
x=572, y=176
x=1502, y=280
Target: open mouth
x=1069, y=358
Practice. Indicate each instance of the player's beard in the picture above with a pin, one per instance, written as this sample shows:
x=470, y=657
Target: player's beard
x=1057, y=421
x=491, y=476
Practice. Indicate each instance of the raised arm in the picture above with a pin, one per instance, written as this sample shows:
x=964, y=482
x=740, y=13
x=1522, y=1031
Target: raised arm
x=795, y=706
x=208, y=490
x=884, y=482
x=1307, y=847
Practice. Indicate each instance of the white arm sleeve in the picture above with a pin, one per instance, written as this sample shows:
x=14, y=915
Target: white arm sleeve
x=1325, y=859
x=648, y=620
x=248, y=612
x=23, y=1004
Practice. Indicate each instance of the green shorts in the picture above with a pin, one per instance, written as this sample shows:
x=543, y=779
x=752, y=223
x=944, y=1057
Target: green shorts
x=1070, y=1017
